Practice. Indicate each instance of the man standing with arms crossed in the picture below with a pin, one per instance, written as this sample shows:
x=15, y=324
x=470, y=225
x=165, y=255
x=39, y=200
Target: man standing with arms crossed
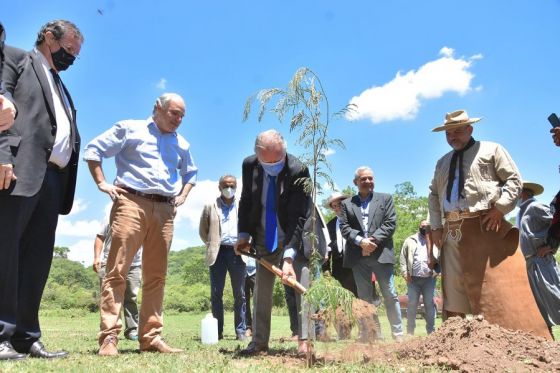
x=38, y=168
x=155, y=173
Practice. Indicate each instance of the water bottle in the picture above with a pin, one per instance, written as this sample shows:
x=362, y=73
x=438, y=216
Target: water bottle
x=209, y=329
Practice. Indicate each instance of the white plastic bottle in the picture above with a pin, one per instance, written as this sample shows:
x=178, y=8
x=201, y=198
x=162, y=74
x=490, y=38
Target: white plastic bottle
x=209, y=329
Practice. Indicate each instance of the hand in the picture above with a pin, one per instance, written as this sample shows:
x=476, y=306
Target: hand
x=96, y=264
x=7, y=113
x=492, y=219
x=6, y=175
x=556, y=135
x=437, y=235
x=179, y=200
x=544, y=251
x=243, y=245
x=112, y=190
x=368, y=246
x=408, y=279
x=287, y=271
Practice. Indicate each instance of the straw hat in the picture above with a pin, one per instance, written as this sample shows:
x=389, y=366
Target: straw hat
x=456, y=119
x=336, y=196
x=533, y=187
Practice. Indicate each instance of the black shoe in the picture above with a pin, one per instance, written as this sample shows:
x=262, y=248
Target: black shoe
x=38, y=350
x=253, y=349
x=7, y=352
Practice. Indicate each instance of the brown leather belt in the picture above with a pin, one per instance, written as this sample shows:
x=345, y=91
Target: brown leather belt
x=459, y=215
x=153, y=197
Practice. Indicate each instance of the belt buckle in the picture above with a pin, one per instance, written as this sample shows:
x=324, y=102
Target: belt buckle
x=454, y=216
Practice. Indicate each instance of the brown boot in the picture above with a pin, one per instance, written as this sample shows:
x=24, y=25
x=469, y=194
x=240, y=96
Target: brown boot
x=109, y=346
x=160, y=346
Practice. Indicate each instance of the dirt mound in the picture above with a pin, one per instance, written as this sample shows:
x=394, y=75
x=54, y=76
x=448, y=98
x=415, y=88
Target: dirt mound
x=466, y=345
x=474, y=345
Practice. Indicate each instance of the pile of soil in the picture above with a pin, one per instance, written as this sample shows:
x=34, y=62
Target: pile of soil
x=466, y=345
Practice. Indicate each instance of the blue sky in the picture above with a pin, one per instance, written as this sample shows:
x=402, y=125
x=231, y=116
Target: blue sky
x=406, y=63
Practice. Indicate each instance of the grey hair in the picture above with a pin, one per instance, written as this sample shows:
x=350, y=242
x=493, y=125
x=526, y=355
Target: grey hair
x=360, y=169
x=226, y=176
x=270, y=137
x=164, y=100
x=59, y=28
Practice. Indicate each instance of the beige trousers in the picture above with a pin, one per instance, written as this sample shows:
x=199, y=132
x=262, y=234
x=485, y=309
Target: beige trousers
x=137, y=221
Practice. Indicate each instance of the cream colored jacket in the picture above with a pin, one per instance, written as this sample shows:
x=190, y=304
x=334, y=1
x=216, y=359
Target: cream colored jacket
x=491, y=179
x=210, y=231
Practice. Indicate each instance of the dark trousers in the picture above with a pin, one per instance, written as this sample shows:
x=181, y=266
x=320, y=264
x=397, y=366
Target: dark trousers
x=27, y=234
x=226, y=262
x=249, y=290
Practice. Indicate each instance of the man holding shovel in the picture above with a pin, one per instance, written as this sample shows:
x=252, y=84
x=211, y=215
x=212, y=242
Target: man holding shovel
x=272, y=211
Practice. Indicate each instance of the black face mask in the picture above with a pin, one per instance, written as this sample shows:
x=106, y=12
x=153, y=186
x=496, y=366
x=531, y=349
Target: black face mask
x=422, y=231
x=62, y=59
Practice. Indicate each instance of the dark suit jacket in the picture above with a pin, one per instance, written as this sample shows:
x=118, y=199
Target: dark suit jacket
x=293, y=203
x=28, y=144
x=381, y=226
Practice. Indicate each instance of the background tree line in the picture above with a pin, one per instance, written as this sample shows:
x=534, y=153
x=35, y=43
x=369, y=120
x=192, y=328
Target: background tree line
x=72, y=286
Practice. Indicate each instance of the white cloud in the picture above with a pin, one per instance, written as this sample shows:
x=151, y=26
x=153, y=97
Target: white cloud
x=162, y=84
x=402, y=97
x=328, y=152
x=82, y=252
x=78, y=206
x=204, y=192
x=78, y=228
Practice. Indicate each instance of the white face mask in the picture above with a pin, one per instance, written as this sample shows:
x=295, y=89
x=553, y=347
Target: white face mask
x=228, y=192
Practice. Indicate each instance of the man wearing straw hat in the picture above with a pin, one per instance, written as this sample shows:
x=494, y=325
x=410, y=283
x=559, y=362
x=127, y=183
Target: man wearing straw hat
x=474, y=186
x=533, y=220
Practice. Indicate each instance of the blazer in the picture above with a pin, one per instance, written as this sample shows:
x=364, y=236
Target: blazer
x=292, y=201
x=381, y=226
x=210, y=231
x=28, y=143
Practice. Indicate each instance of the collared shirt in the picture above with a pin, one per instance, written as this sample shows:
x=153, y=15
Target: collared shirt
x=62, y=148
x=147, y=159
x=456, y=202
x=420, y=259
x=340, y=241
x=491, y=180
x=288, y=252
x=364, y=207
x=228, y=218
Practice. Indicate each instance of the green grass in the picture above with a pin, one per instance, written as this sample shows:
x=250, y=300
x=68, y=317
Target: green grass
x=76, y=333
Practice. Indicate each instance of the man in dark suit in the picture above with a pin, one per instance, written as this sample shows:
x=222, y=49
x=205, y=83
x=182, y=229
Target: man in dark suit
x=367, y=224
x=272, y=211
x=334, y=263
x=38, y=167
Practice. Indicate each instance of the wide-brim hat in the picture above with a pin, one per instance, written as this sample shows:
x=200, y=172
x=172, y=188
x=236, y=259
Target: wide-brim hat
x=456, y=119
x=336, y=196
x=533, y=187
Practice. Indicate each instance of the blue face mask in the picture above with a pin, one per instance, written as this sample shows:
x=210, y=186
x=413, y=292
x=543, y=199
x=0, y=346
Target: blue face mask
x=273, y=169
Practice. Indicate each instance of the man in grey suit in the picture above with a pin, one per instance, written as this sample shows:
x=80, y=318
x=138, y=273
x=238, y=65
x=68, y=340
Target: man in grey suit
x=367, y=223
x=38, y=167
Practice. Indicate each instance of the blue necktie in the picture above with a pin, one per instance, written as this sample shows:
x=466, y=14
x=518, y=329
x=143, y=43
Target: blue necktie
x=271, y=225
